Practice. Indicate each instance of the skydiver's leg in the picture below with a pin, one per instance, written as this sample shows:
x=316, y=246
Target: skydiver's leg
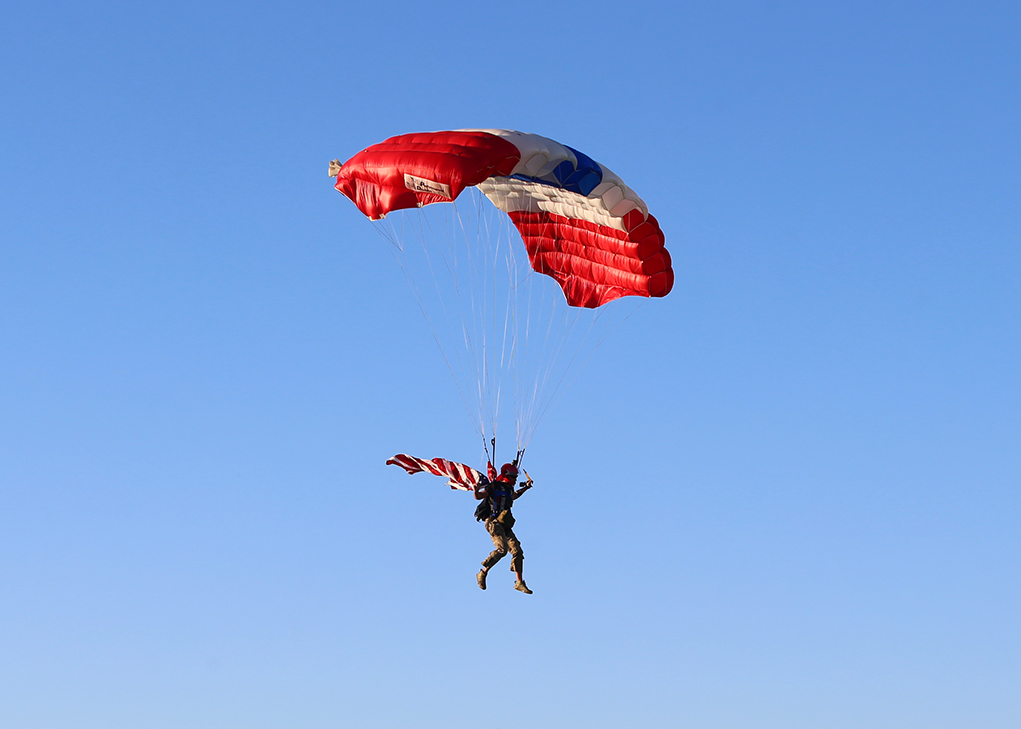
x=517, y=554
x=517, y=562
x=496, y=531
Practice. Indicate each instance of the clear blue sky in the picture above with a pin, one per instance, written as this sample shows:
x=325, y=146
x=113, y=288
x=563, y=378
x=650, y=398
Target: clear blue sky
x=785, y=496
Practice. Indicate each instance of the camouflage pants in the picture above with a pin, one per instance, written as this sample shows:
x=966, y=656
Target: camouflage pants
x=504, y=541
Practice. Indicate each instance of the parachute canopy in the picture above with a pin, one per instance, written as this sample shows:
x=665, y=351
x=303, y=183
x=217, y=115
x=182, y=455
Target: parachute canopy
x=580, y=223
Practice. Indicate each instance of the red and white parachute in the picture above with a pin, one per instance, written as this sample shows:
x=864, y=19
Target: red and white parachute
x=579, y=224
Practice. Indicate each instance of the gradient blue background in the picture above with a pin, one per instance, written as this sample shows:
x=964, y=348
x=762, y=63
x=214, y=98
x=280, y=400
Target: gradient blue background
x=785, y=496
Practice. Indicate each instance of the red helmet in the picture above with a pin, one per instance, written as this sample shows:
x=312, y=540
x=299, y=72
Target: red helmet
x=509, y=469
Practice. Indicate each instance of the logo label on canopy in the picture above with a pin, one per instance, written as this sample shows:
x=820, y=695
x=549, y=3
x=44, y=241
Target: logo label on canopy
x=420, y=184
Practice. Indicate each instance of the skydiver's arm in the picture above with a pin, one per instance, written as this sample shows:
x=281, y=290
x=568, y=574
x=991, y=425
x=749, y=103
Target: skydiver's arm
x=480, y=490
x=523, y=489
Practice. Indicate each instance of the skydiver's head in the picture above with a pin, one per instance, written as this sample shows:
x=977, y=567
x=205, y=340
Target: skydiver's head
x=509, y=472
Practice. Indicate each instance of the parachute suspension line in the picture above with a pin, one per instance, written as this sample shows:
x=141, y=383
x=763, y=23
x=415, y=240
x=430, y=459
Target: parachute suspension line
x=519, y=408
x=547, y=400
x=449, y=235
x=481, y=268
x=456, y=234
x=507, y=360
x=454, y=225
x=548, y=355
x=484, y=275
x=489, y=285
x=514, y=299
x=531, y=350
x=551, y=370
x=492, y=245
x=387, y=233
x=469, y=322
x=478, y=307
x=474, y=342
x=493, y=240
x=485, y=447
x=468, y=332
x=600, y=318
x=473, y=363
x=525, y=347
x=494, y=253
x=478, y=252
x=485, y=244
x=608, y=328
x=422, y=222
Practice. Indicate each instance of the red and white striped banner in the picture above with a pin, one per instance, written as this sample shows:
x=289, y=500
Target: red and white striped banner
x=461, y=477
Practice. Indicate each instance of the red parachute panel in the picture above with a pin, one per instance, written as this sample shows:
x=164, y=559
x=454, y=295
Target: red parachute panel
x=595, y=264
x=412, y=170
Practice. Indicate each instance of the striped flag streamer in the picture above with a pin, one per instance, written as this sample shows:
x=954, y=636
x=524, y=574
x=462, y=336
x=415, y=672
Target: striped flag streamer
x=461, y=477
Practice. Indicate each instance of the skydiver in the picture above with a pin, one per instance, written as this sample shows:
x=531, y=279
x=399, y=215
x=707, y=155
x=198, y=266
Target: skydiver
x=500, y=494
